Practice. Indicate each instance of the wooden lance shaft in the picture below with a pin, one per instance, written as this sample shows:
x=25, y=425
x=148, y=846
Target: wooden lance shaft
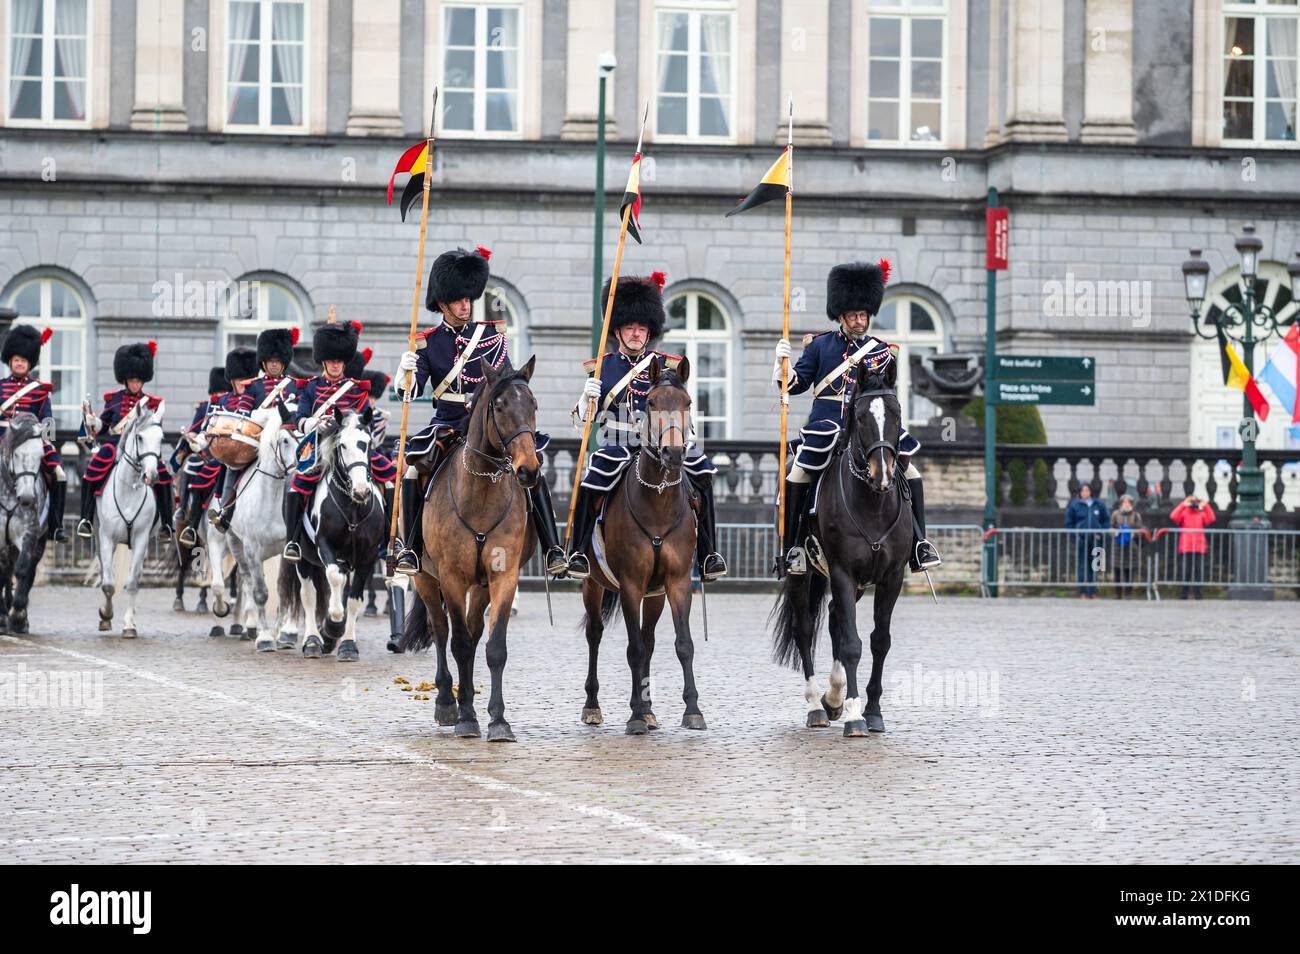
x=600, y=357
x=785, y=379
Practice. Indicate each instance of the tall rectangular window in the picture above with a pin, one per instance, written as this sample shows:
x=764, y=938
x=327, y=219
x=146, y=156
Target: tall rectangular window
x=266, y=52
x=480, y=69
x=49, y=68
x=695, y=71
x=905, y=71
x=1259, y=71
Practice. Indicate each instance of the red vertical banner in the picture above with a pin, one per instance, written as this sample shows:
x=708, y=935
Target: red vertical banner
x=997, y=238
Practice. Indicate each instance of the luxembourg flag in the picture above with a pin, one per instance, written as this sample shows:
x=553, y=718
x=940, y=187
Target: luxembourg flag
x=1283, y=371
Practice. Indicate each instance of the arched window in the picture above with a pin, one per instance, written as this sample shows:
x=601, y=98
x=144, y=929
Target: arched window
x=52, y=303
x=700, y=330
x=256, y=304
x=501, y=301
x=915, y=325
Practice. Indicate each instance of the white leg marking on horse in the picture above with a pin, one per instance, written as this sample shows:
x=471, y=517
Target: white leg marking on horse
x=839, y=679
x=853, y=709
x=354, y=610
x=812, y=694
x=337, y=581
x=309, y=609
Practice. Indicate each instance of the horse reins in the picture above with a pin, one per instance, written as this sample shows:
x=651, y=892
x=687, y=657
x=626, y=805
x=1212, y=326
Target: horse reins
x=656, y=542
x=862, y=474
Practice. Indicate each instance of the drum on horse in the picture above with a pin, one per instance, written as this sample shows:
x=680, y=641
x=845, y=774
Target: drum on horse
x=23, y=498
x=477, y=536
x=125, y=511
x=643, y=551
x=257, y=528
x=860, y=536
x=345, y=528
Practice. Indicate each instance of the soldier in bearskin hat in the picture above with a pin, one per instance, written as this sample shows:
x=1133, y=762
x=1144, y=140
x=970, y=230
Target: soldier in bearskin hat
x=188, y=454
x=133, y=369
x=620, y=395
x=448, y=363
x=272, y=388
x=22, y=392
x=205, y=470
x=333, y=347
x=828, y=365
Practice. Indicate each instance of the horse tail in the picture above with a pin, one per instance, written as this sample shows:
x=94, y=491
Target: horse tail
x=417, y=634
x=790, y=606
x=609, y=608
x=288, y=592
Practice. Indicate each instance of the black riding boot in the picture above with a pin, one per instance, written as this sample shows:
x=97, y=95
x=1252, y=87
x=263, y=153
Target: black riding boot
x=193, y=514
x=707, y=558
x=162, y=495
x=220, y=518
x=794, y=560
x=584, y=522
x=543, y=515
x=58, y=501
x=412, y=542
x=924, y=555
x=86, y=525
x=294, y=506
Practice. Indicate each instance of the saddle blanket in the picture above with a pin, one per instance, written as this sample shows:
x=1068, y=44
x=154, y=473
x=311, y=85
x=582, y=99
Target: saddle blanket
x=608, y=463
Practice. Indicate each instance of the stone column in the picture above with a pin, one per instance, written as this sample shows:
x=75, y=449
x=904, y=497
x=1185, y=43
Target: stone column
x=1035, y=71
x=376, y=69
x=160, y=43
x=1108, y=72
x=591, y=33
x=805, y=56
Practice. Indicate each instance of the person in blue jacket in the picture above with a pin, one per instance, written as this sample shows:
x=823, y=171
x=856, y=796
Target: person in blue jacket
x=1084, y=514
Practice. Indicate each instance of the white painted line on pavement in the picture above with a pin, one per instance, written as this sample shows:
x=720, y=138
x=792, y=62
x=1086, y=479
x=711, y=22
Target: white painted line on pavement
x=615, y=818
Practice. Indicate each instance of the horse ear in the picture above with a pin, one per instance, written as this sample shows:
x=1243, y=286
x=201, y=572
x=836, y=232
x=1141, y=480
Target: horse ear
x=338, y=414
x=490, y=373
x=655, y=369
x=367, y=416
x=684, y=370
x=159, y=411
x=526, y=372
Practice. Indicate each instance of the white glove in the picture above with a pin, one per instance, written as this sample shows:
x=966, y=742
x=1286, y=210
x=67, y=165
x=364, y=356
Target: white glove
x=407, y=362
x=591, y=390
x=93, y=423
x=782, y=351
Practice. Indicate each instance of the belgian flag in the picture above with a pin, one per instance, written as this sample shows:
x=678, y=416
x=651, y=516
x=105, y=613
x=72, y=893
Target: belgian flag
x=632, y=197
x=1238, y=378
x=415, y=161
x=774, y=185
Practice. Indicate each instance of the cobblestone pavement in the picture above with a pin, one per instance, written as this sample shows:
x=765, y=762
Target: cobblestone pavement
x=1046, y=730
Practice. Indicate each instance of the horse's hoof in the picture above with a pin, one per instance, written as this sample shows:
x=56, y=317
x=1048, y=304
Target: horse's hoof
x=651, y=720
x=311, y=649
x=178, y=605
x=201, y=607
x=500, y=732
x=216, y=631
x=592, y=716
x=264, y=645
x=693, y=720
x=246, y=635
x=19, y=625
x=394, y=646
x=105, y=625
x=237, y=629
x=855, y=729
x=445, y=714
x=875, y=722
x=468, y=729
x=636, y=727
x=371, y=610
x=286, y=642
x=129, y=634
x=329, y=644
x=4, y=626
x=348, y=651
x=832, y=712
x=817, y=719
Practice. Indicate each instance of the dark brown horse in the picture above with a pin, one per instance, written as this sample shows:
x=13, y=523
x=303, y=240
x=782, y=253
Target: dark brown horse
x=648, y=530
x=477, y=536
x=864, y=529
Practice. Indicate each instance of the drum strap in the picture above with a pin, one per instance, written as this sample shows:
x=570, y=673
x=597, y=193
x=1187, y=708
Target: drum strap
x=18, y=395
x=459, y=366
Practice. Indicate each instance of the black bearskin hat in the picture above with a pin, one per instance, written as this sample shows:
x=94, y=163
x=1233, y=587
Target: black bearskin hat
x=276, y=343
x=378, y=383
x=458, y=274
x=335, y=342
x=241, y=365
x=134, y=361
x=217, y=383
x=356, y=367
x=24, y=341
x=855, y=286
x=640, y=300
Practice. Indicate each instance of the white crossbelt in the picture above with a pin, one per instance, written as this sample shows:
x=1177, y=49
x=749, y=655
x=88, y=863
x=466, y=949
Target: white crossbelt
x=459, y=366
x=844, y=365
x=330, y=401
x=266, y=402
x=18, y=395
x=624, y=381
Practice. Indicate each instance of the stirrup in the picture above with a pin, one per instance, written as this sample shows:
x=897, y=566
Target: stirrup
x=929, y=562
x=85, y=529
x=578, y=567
x=216, y=516
x=796, y=561
x=557, y=564
x=59, y=535
x=407, y=563
x=189, y=537
x=292, y=552
x=713, y=567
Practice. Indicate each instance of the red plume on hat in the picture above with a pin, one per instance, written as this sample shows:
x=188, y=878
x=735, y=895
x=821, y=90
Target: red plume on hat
x=294, y=335
x=366, y=355
x=884, y=269
x=153, y=348
x=485, y=252
x=46, y=335
x=659, y=278
x=356, y=325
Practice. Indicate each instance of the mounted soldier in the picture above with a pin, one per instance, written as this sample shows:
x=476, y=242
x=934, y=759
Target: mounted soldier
x=333, y=346
x=272, y=388
x=620, y=396
x=133, y=369
x=450, y=360
x=188, y=461
x=22, y=392
x=828, y=366
x=205, y=470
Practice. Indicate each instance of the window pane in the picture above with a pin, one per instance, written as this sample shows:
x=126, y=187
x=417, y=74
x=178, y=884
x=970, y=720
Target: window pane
x=502, y=26
x=28, y=301
x=1279, y=121
x=674, y=31
x=671, y=115
x=715, y=34
x=882, y=121
x=713, y=360
x=886, y=36
x=28, y=17
x=672, y=73
x=1280, y=80
x=65, y=348
x=927, y=38
x=70, y=100
x=712, y=400
x=883, y=79
x=710, y=317
x=70, y=18
x=676, y=314
x=25, y=55
x=713, y=117
x=245, y=22
x=1239, y=77
x=926, y=80
x=280, y=306
x=63, y=301
x=1238, y=120
x=458, y=69
x=286, y=106
x=458, y=111
x=926, y=119
x=501, y=112
x=715, y=75
x=921, y=318
x=501, y=69
x=1239, y=36
x=887, y=320
x=244, y=63
x=286, y=63
x=286, y=21
x=243, y=105
x=460, y=26
x=25, y=99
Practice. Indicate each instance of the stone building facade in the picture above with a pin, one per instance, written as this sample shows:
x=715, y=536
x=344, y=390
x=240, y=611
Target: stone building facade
x=156, y=153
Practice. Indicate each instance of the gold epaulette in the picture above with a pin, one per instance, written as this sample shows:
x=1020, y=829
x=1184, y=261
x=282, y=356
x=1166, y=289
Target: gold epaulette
x=589, y=365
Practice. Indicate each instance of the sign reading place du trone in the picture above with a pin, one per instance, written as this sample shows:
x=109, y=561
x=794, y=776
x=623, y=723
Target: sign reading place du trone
x=1046, y=379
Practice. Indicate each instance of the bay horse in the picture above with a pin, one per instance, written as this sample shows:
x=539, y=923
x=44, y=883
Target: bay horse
x=648, y=531
x=862, y=533
x=477, y=536
x=23, y=498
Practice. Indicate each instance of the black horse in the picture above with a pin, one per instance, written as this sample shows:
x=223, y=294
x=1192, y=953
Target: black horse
x=861, y=535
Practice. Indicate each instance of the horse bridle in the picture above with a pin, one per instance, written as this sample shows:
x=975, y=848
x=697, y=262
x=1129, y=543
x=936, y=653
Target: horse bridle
x=338, y=474
x=860, y=472
x=656, y=449
x=12, y=477
x=137, y=463
x=501, y=465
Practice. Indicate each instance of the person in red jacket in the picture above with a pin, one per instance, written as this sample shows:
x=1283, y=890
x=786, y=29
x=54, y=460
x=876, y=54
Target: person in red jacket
x=1191, y=517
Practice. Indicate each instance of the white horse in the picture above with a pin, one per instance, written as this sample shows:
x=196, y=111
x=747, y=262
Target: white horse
x=257, y=534
x=22, y=517
x=126, y=512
